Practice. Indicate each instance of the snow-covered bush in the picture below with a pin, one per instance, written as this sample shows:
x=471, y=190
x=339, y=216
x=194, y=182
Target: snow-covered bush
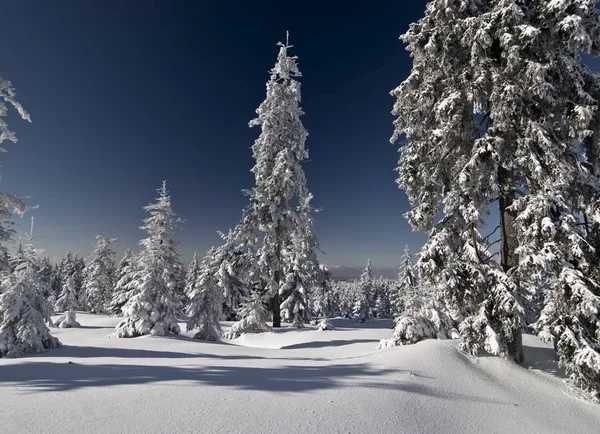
x=325, y=324
x=427, y=322
x=254, y=318
x=68, y=320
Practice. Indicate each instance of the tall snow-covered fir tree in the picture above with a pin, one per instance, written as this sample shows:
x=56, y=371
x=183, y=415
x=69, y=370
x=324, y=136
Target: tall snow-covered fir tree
x=285, y=252
x=99, y=275
x=499, y=112
x=24, y=310
x=206, y=297
x=363, y=302
x=154, y=304
x=124, y=274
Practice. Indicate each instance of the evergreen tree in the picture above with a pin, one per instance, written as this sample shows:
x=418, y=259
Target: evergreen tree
x=382, y=301
x=68, y=297
x=499, y=110
x=98, y=276
x=56, y=282
x=24, y=311
x=279, y=183
x=362, y=305
x=322, y=296
x=154, y=305
x=124, y=275
x=191, y=274
x=68, y=267
x=78, y=277
x=67, y=303
x=405, y=285
x=206, y=298
x=46, y=274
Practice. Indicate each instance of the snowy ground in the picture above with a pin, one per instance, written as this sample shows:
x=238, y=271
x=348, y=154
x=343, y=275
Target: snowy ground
x=289, y=381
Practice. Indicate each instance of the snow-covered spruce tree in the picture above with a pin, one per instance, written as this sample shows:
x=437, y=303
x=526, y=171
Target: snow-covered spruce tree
x=98, y=276
x=254, y=318
x=67, y=303
x=406, y=283
x=45, y=274
x=192, y=272
x=67, y=299
x=124, y=274
x=206, y=298
x=494, y=112
x=382, y=299
x=279, y=184
x=153, y=306
x=24, y=311
x=69, y=267
x=362, y=305
x=322, y=295
x=78, y=276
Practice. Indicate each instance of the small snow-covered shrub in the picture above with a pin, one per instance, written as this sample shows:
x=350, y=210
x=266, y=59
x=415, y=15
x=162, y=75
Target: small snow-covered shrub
x=68, y=320
x=254, y=318
x=325, y=324
x=427, y=323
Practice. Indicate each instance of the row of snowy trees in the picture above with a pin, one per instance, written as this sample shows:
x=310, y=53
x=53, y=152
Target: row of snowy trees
x=500, y=118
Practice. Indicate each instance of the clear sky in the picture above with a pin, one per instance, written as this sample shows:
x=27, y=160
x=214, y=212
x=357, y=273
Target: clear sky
x=124, y=94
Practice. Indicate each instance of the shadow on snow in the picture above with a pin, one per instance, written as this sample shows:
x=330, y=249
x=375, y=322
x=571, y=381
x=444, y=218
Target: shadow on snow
x=56, y=377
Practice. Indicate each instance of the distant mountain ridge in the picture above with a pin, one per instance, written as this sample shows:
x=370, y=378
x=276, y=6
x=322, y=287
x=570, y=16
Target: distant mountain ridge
x=344, y=272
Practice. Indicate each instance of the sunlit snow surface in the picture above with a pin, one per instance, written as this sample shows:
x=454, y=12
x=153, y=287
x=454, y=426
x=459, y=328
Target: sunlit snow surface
x=297, y=381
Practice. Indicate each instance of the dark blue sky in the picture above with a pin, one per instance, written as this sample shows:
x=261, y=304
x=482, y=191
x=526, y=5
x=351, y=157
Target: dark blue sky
x=124, y=94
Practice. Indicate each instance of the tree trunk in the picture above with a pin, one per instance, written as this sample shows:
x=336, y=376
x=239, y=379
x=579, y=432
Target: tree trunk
x=275, y=300
x=508, y=244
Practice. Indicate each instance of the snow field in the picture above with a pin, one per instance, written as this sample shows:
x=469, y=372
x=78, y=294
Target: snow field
x=301, y=381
